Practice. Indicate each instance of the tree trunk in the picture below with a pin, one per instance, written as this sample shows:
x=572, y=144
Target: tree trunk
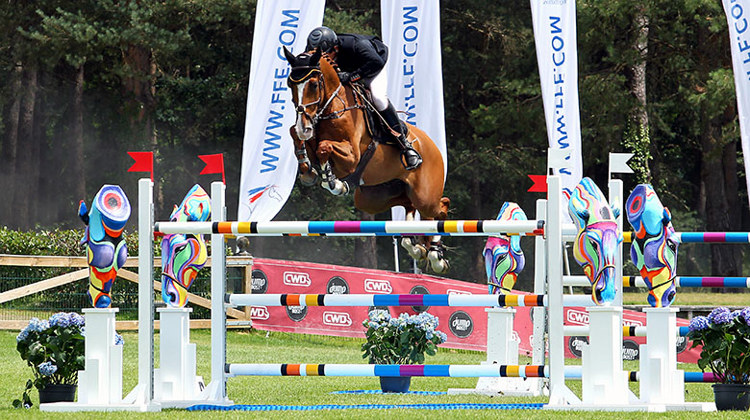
x=78, y=173
x=365, y=247
x=476, y=244
x=142, y=86
x=9, y=150
x=25, y=186
x=637, y=133
x=720, y=185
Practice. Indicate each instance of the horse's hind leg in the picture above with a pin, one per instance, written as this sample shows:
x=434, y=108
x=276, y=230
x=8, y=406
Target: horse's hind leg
x=438, y=262
x=415, y=249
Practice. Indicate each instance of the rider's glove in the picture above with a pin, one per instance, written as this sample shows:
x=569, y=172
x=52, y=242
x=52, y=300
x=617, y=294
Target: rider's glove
x=345, y=77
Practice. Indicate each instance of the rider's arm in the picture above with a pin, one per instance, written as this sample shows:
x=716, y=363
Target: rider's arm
x=372, y=62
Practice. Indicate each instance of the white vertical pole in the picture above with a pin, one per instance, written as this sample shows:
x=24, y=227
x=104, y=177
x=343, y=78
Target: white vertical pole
x=540, y=288
x=396, y=267
x=559, y=392
x=146, y=290
x=218, y=289
x=615, y=197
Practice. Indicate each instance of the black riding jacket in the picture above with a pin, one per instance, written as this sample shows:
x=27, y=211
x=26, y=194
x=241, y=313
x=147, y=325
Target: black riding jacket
x=361, y=55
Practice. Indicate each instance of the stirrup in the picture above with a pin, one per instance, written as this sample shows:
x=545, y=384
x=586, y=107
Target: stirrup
x=405, y=162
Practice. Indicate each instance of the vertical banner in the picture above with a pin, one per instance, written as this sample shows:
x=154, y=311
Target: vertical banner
x=411, y=30
x=269, y=166
x=739, y=39
x=557, y=56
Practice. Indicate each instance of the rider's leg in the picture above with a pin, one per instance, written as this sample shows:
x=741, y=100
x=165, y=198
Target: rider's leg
x=378, y=87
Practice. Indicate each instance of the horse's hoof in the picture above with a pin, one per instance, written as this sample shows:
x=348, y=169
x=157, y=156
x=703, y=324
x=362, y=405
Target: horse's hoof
x=417, y=252
x=438, y=264
x=336, y=187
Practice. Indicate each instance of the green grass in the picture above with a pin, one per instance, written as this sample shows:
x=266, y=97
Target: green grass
x=260, y=347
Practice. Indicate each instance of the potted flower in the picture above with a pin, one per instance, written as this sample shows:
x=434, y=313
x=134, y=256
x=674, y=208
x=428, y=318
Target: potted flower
x=54, y=349
x=725, y=338
x=398, y=341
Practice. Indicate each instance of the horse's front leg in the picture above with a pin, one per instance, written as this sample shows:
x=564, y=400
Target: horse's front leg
x=331, y=183
x=307, y=174
x=342, y=154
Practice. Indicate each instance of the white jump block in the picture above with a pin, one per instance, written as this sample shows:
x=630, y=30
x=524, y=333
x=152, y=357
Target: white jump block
x=100, y=383
x=604, y=381
x=175, y=382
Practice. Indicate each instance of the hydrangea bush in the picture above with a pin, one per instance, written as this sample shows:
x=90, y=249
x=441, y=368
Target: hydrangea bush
x=400, y=340
x=55, y=350
x=725, y=338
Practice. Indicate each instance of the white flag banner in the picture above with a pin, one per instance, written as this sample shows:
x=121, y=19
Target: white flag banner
x=411, y=30
x=739, y=38
x=557, y=56
x=269, y=166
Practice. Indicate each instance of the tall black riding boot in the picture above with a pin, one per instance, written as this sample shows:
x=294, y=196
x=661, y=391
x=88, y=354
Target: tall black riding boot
x=411, y=158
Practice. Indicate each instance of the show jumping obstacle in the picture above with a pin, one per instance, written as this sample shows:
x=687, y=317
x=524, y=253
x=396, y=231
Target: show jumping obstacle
x=604, y=380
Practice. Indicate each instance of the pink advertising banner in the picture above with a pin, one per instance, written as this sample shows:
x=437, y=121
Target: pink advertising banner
x=466, y=327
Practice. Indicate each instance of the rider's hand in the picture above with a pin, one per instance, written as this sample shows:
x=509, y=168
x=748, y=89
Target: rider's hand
x=345, y=77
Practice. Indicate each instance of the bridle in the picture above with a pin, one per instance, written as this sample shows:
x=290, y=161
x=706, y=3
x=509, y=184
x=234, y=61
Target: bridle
x=320, y=113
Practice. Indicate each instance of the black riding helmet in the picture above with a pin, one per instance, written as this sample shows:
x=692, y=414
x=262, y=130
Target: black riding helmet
x=322, y=37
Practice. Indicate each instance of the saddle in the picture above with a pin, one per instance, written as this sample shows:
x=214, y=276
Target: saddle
x=376, y=126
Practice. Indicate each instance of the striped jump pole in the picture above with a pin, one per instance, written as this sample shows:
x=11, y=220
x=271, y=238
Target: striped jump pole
x=450, y=371
x=627, y=331
x=453, y=371
x=680, y=281
x=400, y=300
x=359, y=228
x=705, y=237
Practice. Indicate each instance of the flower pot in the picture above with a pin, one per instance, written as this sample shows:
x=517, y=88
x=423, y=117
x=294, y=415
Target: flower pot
x=732, y=397
x=395, y=383
x=57, y=393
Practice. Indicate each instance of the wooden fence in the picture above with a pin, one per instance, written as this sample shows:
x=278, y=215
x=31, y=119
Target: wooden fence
x=235, y=318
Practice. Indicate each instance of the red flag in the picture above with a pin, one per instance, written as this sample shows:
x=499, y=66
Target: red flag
x=214, y=165
x=144, y=162
x=540, y=183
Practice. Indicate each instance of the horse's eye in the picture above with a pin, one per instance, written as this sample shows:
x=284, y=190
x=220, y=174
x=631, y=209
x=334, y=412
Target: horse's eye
x=314, y=84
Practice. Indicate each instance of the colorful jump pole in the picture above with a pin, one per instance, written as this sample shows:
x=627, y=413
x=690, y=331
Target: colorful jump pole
x=399, y=300
x=359, y=228
x=680, y=281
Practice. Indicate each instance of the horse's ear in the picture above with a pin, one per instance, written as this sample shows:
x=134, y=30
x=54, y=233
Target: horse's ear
x=289, y=56
x=315, y=58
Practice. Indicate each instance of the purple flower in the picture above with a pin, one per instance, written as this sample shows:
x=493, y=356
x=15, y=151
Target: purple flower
x=76, y=319
x=699, y=323
x=720, y=315
x=47, y=369
x=745, y=314
x=59, y=319
x=119, y=340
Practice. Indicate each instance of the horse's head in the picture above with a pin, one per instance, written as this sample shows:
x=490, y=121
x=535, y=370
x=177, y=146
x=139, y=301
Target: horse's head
x=311, y=73
x=654, y=247
x=597, y=240
x=105, y=248
x=183, y=255
x=503, y=256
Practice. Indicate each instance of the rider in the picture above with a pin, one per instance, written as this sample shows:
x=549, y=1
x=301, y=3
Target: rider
x=363, y=57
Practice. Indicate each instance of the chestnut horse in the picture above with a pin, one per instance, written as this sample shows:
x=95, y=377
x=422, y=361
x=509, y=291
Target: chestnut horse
x=334, y=141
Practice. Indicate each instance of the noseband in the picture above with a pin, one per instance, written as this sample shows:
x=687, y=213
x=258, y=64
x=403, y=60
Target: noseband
x=319, y=114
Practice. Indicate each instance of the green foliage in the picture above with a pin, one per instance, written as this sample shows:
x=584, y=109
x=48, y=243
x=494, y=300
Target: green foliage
x=402, y=340
x=51, y=242
x=725, y=340
x=54, y=349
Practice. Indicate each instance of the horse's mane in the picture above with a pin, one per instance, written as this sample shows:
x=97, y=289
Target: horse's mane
x=330, y=61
